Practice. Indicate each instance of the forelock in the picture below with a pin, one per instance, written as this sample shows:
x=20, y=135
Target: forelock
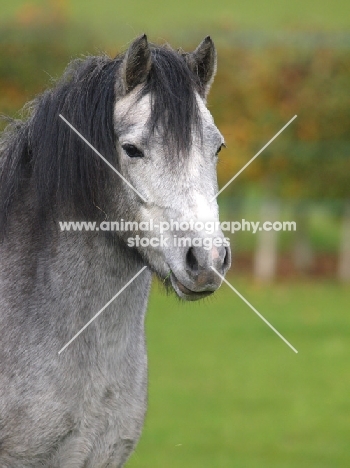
x=172, y=87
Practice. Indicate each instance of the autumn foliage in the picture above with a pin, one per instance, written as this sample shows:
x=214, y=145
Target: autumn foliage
x=257, y=91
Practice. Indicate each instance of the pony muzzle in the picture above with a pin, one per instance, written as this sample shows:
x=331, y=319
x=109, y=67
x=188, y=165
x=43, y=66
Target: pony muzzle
x=198, y=279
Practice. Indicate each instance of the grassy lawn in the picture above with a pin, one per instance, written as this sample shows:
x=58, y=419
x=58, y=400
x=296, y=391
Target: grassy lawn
x=124, y=19
x=225, y=391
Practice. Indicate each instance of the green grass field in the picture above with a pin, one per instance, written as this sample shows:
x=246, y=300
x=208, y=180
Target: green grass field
x=225, y=391
x=124, y=19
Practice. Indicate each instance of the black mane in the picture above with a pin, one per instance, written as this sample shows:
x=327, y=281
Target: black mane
x=44, y=154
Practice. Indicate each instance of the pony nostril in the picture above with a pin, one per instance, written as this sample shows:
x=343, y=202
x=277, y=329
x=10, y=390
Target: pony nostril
x=191, y=260
x=226, y=258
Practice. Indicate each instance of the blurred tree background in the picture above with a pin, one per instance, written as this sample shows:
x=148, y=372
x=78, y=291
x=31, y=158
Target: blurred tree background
x=224, y=390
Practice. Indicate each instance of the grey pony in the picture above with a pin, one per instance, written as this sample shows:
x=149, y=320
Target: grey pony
x=145, y=111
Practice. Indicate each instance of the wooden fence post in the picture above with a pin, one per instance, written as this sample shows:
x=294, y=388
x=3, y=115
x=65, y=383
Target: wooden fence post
x=344, y=251
x=265, y=257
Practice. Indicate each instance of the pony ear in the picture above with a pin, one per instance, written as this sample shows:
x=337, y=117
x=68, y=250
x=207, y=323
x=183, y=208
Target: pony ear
x=202, y=62
x=136, y=63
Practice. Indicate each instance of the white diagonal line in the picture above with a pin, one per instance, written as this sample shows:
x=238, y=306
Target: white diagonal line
x=254, y=157
x=103, y=158
x=254, y=310
x=100, y=311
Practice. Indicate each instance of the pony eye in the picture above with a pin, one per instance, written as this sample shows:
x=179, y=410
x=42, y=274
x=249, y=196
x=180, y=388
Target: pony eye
x=132, y=151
